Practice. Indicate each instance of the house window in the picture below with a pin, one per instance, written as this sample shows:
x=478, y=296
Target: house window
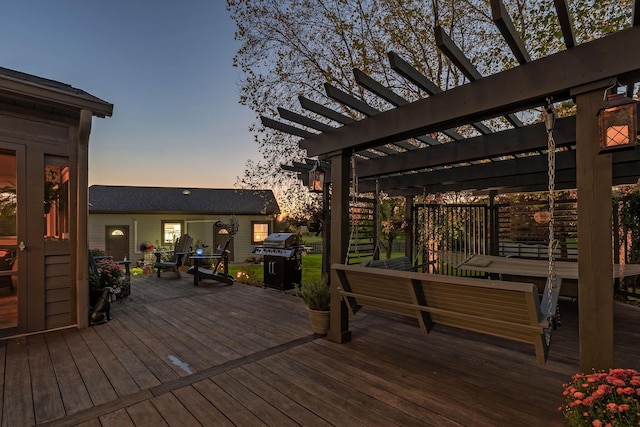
x=171, y=230
x=259, y=231
x=56, y=198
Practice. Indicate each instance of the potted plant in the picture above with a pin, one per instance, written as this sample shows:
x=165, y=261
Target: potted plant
x=603, y=399
x=316, y=295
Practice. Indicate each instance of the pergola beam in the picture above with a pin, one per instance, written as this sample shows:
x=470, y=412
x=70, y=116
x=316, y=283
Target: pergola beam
x=511, y=141
x=503, y=21
x=396, y=100
x=303, y=120
x=283, y=127
x=327, y=112
x=566, y=23
x=511, y=90
x=449, y=48
x=364, y=108
x=403, y=68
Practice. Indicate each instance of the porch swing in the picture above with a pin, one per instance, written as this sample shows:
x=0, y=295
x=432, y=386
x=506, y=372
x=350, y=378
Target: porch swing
x=473, y=304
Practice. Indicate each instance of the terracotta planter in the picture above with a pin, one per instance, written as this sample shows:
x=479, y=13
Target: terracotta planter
x=319, y=321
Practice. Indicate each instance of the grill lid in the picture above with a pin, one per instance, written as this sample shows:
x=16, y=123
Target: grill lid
x=281, y=240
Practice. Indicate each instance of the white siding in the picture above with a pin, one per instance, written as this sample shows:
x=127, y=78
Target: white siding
x=148, y=228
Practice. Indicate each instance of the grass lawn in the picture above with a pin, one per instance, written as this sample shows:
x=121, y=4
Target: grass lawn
x=311, y=269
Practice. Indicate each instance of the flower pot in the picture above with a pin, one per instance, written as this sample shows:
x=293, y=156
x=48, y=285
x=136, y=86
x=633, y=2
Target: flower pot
x=319, y=321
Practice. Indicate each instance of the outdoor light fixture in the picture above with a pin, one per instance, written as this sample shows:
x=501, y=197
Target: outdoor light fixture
x=316, y=178
x=618, y=119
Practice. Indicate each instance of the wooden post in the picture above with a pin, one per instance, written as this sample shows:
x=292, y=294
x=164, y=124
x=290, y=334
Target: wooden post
x=326, y=228
x=82, y=215
x=493, y=245
x=339, y=238
x=595, y=265
x=408, y=232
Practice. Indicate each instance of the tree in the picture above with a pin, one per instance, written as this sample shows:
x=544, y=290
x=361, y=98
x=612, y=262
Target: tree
x=292, y=47
x=392, y=222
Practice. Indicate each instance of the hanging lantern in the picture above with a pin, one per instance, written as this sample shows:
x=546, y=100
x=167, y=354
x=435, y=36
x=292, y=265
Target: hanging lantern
x=316, y=178
x=618, y=120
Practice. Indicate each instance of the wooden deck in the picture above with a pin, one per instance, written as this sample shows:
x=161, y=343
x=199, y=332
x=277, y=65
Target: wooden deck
x=214, y=355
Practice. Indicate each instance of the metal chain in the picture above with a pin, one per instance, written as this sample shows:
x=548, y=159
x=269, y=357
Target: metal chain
x=553, y=243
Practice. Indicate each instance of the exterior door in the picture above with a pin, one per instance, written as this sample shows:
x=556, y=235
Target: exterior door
x=12, y=240
x=117, y=241
x=220, y=238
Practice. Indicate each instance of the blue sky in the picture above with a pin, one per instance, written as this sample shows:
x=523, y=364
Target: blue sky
x=167, y=68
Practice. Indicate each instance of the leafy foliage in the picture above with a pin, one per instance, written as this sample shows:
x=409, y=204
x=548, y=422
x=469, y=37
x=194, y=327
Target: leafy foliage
x=293, y=47
x=393, y=222
x=315, y=294
x=630, y=218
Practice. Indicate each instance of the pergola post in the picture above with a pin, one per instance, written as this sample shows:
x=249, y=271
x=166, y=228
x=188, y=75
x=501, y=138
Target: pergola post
x=326, y=227
x=339, y=238
x=408, y=232
x=595, y=266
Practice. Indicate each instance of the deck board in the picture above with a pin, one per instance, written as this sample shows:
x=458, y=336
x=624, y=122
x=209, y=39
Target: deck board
x=18, y=400
x=254, y=362
x=145, y=414
x=93, y=376
x=47, y=402
x=201, y=408
x=75, y=395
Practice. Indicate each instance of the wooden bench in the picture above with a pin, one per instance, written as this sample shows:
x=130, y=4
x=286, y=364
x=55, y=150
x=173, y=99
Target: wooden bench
x=510, y=310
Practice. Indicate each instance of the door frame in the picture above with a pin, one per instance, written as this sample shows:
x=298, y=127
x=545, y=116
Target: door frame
x=21, y=236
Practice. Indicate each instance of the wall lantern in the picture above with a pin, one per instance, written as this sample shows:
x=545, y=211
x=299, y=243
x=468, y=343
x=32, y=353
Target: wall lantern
x=618, y=120
x=316, y=178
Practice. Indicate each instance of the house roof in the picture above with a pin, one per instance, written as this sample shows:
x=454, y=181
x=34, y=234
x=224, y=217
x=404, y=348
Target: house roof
x=124, y=199
x=30, y=88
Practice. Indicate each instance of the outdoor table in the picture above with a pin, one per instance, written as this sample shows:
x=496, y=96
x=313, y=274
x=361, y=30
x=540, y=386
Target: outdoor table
x=196, y=263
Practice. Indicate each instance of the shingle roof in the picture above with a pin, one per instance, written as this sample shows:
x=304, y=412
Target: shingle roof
x=19, y=83
x=123, y=199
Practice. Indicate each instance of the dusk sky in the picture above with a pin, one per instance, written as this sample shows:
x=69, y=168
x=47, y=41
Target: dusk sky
x=167, y=68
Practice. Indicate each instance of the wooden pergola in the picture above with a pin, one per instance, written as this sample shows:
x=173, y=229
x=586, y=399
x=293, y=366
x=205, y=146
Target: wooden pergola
x=506, y=161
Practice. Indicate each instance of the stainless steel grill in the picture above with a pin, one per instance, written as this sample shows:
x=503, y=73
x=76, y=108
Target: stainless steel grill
x=282, y=260
x=279, y=244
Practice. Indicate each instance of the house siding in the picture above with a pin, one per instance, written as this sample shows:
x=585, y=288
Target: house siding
x=147, y=227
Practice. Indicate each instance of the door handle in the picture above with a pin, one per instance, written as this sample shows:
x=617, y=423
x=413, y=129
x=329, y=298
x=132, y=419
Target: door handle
x=22, y=246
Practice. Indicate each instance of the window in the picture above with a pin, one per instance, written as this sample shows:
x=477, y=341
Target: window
x=259, y=231
x=171, y=230
x=56, y=198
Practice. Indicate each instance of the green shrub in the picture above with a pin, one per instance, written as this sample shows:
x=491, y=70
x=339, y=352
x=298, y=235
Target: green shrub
x=315, y=294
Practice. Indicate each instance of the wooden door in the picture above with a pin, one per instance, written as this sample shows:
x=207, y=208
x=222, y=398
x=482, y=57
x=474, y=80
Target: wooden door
x=12, y=240
x=117, y=241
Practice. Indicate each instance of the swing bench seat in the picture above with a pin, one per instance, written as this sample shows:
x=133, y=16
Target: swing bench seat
x=510, y=310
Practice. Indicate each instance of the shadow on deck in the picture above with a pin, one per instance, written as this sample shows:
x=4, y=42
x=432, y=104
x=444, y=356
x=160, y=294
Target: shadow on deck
x=180, y=355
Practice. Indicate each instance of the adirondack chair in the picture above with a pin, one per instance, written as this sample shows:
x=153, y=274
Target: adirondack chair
x=181, y=251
